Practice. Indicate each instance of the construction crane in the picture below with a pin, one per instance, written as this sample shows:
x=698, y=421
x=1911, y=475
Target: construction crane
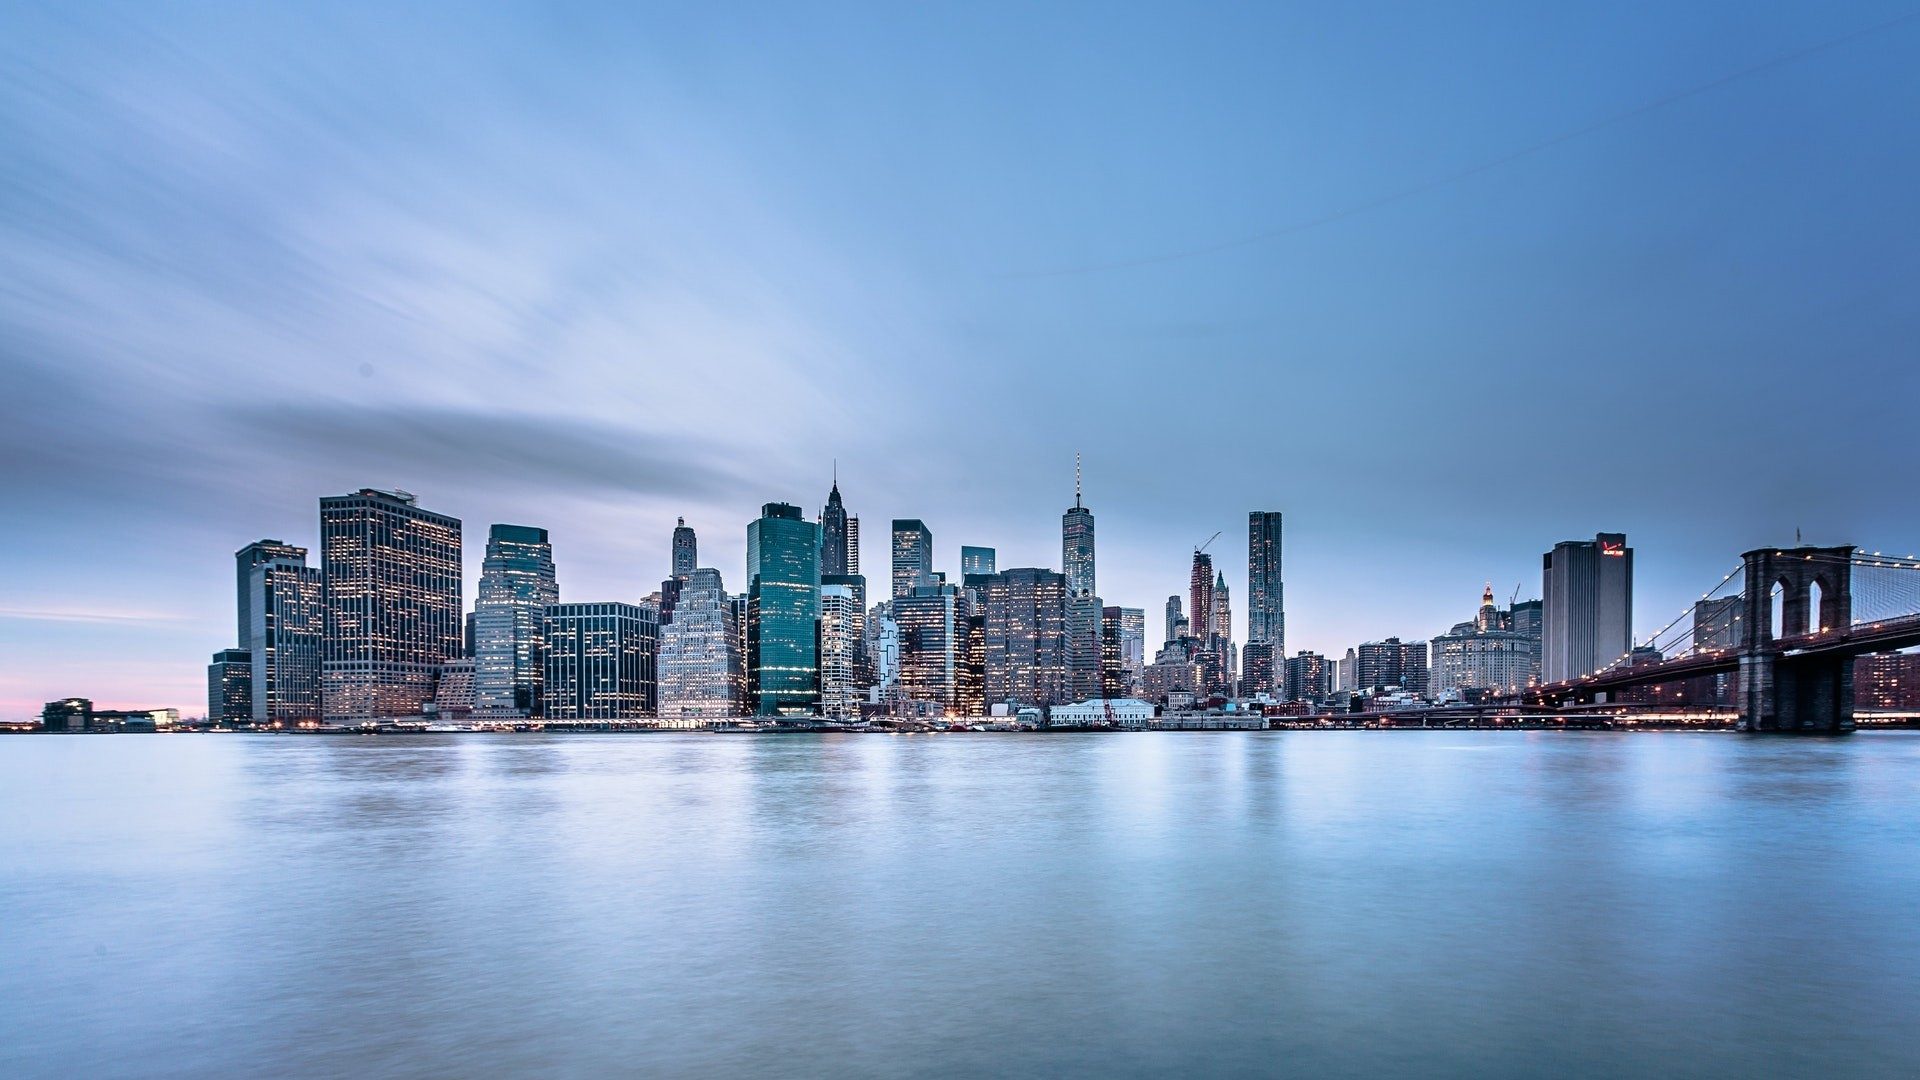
x=1203, y=547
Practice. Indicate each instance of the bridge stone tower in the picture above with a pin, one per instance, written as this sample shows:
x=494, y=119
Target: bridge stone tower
x=1805, y=690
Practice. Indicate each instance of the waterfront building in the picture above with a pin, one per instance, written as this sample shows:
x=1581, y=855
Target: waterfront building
x=702, y=675
x=1076, y=542
x=1887, y=682
x=932, y=622
x=839, y=538
x=1266, y=589
x=1587, y=589
x=841, y=619
x=977, y=562
x=393, y=604
x=912, y=555
x=783, y=603
x=1121, y=712
x=600, y=662
x=286, y=639
x=453, y=692
x=1482, y=655
x=1257, y=666
x=230, y=687
x=245, y=560
x=1026, y=637
x=67, y=714
x=517, y=585
x=1307, y=677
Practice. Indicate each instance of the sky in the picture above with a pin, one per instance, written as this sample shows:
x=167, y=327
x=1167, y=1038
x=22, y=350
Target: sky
x=1444, y=284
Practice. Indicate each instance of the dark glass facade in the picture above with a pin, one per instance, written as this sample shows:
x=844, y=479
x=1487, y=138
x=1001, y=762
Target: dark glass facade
x=783, y=594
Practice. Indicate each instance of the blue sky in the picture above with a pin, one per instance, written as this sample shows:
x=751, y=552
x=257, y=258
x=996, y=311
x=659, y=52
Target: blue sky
x=593, y=267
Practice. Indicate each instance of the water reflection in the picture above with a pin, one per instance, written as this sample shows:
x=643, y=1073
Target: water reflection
x=1332, y=904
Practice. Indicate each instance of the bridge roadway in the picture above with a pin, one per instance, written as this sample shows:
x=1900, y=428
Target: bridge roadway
x=1883, y=636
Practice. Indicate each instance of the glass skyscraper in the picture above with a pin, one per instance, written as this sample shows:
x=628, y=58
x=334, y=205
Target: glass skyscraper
x=1025, y=637
x=393, y=608
x=1076, y=542
x=912, y=555
x=517, y=585
x=976, y=561
x=783, y=594
x=599, y=662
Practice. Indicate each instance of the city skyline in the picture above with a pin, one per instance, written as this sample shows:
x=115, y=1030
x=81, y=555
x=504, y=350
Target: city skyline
x=238, y=290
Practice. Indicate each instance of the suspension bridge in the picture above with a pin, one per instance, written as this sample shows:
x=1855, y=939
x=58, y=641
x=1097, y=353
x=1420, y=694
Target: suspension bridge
x=1777, y=637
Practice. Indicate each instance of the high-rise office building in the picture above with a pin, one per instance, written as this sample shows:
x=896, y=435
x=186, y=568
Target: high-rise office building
x=453, y=692
x=600, y=662
x=702, y=674
x=883, y=652
x=1076, y=542
x=1222, y=631
x=1716, y=623
x=912, y=555
x=933, y=630
x=1131, y=635
x=1084, y=650
x=1174, y=620
x=839, y=538
x=783, y=596
x=286, y=639
x=230, y=687
x=841, y=620
x=1266, y=591
x=393, y=606
x=244, y=561
x=1025, y=637
x=1587, y=610
x=976, y=561
x=517, y=585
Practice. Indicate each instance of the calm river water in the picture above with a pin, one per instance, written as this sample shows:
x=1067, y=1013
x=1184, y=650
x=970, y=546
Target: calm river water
x=1311, y=904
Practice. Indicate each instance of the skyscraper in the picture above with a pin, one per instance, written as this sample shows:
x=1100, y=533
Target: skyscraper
x=783, y=595
x=933, y=632
x=600, y=662
x=1174, y=619
x=702, y=675
x=286, y=639
x=1131, y=635
x=244, y=561
x=1306, y=678
x=976, y=561
x=1084, y=652
x=1587, y=610
x=393, y=610
x=1266, y=594
x=839, y=538
x=686, y=550
x=840, y=647
x=1200, y=598
x=517, y=585
x=1076, y=541
x=230, y=687
x=912, y=555
x=1222, y=629
x=1025, y=637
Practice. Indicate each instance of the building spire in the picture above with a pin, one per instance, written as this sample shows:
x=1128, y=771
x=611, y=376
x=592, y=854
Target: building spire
x=1076, y=479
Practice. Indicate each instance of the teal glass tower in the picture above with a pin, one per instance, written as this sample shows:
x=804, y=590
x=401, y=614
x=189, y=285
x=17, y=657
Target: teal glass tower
x=783, y=612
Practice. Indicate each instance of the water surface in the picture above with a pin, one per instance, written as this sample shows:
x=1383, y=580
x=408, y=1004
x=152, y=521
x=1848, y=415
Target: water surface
x=1314, y=904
